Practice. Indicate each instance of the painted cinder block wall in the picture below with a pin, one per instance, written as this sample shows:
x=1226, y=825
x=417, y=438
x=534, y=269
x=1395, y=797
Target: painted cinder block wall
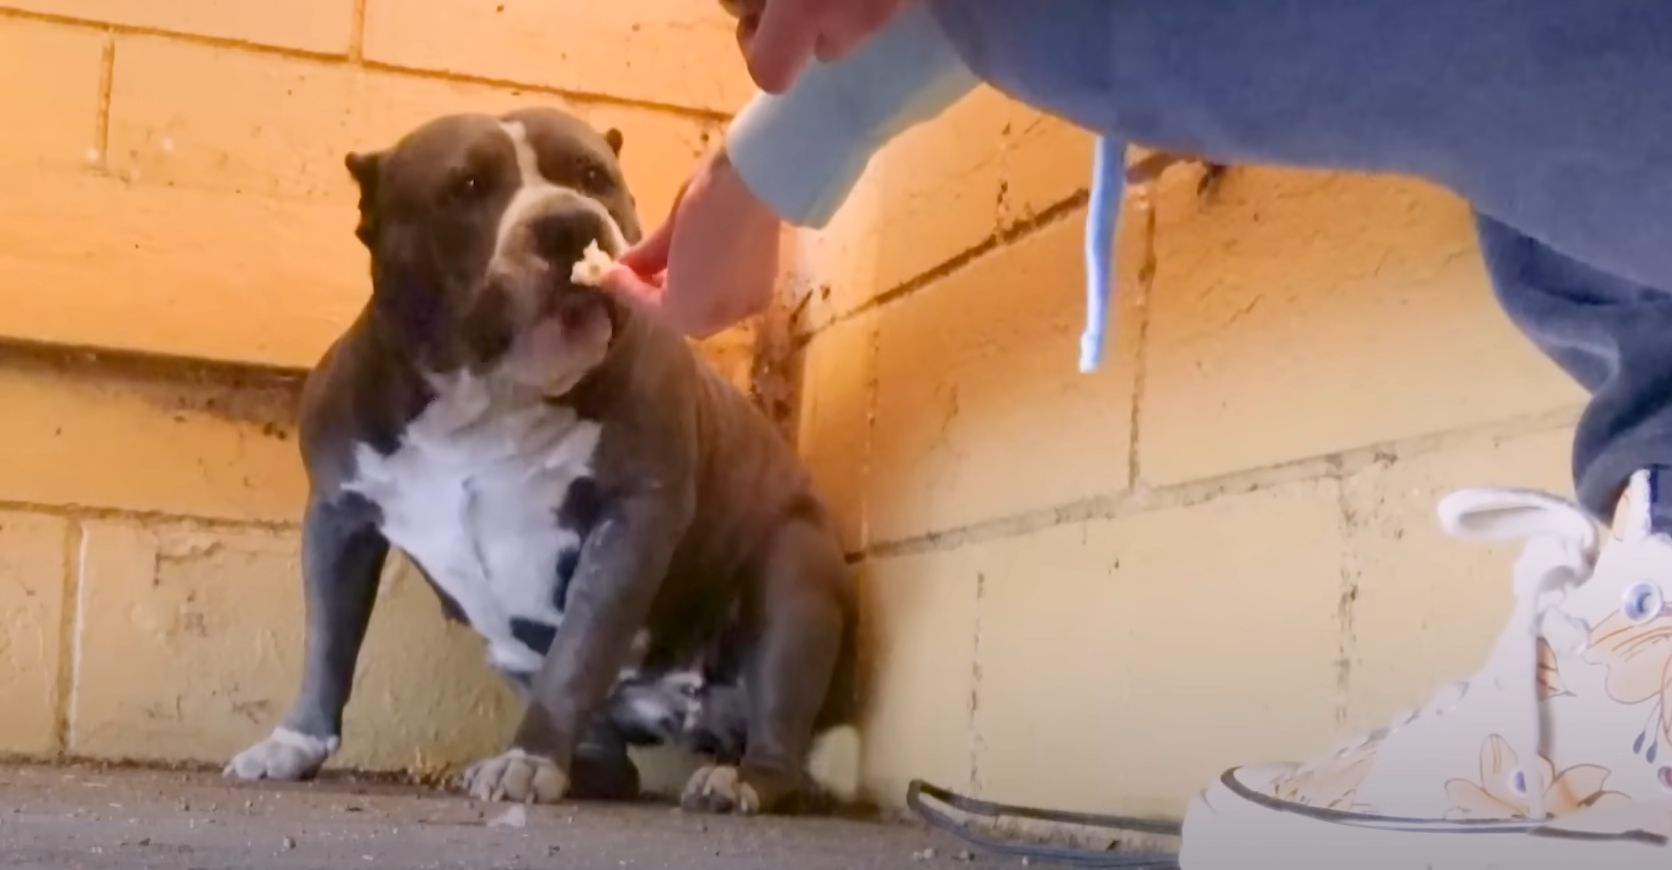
x=176, y=247
x=1096, y=592
x=1083, y=591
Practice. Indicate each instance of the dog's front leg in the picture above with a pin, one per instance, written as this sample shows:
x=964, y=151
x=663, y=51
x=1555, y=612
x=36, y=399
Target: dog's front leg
x=342, y=557
x=622, y=565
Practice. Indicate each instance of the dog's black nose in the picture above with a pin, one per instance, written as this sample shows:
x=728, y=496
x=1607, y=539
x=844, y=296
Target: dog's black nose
x=562, y=232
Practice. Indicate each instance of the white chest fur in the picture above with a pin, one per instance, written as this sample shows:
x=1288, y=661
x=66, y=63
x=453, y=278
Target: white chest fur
x=472, y=495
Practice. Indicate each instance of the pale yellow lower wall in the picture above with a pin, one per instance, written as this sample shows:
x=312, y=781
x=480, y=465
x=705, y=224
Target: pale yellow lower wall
x=1096, y=592
x=150, y=591
x=150, y=588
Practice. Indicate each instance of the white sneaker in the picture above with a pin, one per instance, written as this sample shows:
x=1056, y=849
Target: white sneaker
x=1558, y=753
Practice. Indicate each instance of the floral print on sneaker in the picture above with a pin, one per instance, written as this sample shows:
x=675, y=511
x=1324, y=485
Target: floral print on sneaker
x=1637, y=652
x=1501, y=792
x=1595, y=622
x=1331, y=785
x=1549, y=675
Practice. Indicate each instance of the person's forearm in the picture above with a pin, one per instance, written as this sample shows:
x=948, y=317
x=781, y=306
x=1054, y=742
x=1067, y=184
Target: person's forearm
x=802, y=153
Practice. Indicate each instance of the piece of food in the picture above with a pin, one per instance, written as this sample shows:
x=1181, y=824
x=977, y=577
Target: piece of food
x=589, y=271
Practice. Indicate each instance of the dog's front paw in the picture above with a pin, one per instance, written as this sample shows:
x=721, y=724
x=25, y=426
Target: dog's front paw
x=516, y=776
x=720, y=789
x=285, y=755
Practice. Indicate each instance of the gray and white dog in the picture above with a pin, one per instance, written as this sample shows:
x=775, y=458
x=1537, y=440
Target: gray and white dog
x=644, y=555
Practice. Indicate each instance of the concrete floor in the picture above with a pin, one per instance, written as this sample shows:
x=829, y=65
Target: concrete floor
x=74, y=817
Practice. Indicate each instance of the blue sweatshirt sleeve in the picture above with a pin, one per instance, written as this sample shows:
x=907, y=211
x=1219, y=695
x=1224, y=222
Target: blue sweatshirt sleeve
x=802, y=152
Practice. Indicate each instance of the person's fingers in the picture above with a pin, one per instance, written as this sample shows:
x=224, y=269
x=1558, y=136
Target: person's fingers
x=697, y=315
x=625, y=281
x=746, y=28
x=782, y=43
x=650, y=255
x=838, y=35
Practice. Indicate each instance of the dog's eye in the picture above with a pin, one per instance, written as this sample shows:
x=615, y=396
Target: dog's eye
x=591, y=177
x=465, y=188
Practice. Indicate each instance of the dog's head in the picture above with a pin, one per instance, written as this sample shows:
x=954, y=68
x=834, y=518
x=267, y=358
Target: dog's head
x=474, y=224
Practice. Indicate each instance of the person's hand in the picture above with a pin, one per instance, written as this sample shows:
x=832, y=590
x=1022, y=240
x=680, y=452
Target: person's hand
x=779, y=37
x=720, y=244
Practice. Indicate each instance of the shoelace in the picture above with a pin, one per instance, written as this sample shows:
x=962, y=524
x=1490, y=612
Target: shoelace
x=1548, y=567
x=1558, y=554
x=1108, y=185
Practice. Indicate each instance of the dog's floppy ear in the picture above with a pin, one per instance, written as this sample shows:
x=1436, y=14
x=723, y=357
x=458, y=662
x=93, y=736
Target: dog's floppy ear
x=365, y=169
x=613, y=137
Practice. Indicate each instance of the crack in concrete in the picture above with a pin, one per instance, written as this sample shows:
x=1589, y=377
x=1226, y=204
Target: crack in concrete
x=69, y=621
x=1346, y=603
x=357, y=32
x=1147, y=267
x=975, y=742
x=101, y=118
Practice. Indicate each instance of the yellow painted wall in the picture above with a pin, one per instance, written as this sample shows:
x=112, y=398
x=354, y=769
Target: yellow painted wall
x=172, y=185
x=1098, y=591
x=1083, y=591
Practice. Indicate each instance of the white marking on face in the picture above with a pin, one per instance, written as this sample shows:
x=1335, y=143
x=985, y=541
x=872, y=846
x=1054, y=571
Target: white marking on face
x=536, y=191
x=472, y=494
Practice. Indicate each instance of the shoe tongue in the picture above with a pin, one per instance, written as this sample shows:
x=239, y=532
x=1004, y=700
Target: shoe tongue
x=1634, y=513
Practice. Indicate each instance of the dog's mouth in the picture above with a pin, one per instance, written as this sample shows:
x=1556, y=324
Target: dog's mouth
x=574, y=295
x=559, y=328
x=574, y=308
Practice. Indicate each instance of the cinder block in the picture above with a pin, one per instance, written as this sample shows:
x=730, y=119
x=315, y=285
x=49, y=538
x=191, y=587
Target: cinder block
x=424, y=696
x=837, y=391
x=672, y=52
x=919, y=622
x=321, y=26
x=93, y=262
x=941, y=191
x=1045, y=161
x=929, y=196
x=1429, y=606
x=981, y=410
x=189, y=648
x=1125, y=664
x=188, y=115
x=113, y=436
x=228, y=232
x=187, y=641
x=1305, y=313
x=53, y=127
x=34, y=556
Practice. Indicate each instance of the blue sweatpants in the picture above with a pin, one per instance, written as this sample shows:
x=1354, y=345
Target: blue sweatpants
x=1552, y=117
x=1612, y=335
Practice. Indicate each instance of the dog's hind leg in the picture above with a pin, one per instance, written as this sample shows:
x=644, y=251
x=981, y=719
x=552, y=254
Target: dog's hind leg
x=804, y=604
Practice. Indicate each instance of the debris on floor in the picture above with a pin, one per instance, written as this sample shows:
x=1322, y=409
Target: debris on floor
x=58, y=818
x=515, y=817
